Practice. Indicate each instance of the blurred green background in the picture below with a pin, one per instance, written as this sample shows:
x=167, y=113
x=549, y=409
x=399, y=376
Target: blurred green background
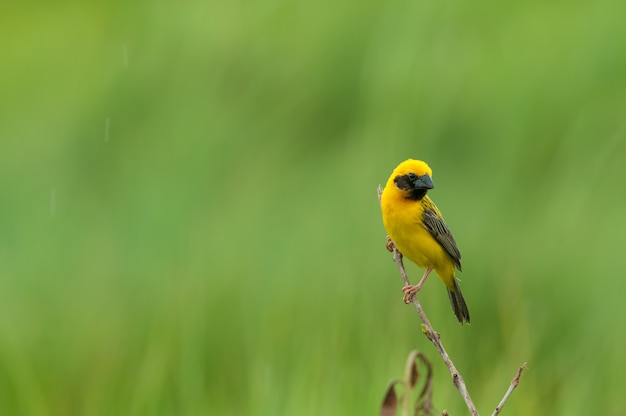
x=189, y=223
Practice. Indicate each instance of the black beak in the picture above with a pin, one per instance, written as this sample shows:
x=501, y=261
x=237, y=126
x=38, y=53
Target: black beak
x=423, y=182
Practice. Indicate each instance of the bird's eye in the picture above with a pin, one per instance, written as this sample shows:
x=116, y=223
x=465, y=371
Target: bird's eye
x=412, y=176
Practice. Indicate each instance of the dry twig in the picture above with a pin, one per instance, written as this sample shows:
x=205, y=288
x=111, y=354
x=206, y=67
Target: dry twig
x=433, y=336
x=514, y=384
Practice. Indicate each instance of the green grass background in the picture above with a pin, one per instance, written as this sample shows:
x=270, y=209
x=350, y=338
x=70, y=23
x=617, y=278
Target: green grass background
x=188, y=214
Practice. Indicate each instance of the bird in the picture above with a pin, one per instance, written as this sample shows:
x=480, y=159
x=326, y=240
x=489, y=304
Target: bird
x=418, y=231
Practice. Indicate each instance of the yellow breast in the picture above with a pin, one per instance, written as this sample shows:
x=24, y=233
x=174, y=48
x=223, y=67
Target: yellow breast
x=412, y=239
x=403, y=221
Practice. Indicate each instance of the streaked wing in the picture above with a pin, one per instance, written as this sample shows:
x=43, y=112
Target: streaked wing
x=440, y=231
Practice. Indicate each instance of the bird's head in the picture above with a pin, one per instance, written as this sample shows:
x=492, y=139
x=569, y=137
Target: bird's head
x=413, y=178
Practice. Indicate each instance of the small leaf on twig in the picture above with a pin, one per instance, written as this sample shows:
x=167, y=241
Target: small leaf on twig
x=424, y=403
x=411, y=373
x=390, y=402
x=412, y=377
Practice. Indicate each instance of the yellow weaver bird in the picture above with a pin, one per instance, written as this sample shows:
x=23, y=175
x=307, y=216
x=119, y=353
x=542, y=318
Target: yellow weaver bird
x=417, y=229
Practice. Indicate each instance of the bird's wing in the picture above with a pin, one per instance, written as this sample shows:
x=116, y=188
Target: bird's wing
x=439, y=230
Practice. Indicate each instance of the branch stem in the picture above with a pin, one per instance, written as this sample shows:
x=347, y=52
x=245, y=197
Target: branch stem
x=512, y=387
x=433, y=336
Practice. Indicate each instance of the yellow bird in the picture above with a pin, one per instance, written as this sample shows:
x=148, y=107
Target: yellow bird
x=417, y=229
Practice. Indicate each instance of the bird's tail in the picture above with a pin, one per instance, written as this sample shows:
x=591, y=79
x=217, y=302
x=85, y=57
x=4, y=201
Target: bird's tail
x=458, y=303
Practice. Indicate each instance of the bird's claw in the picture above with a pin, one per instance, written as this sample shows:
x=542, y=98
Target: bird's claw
x=389, y=245
x=409, y=292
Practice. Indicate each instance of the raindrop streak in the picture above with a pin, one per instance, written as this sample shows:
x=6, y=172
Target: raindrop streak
x=53, y=202
x=125, y=57
x=107, y=123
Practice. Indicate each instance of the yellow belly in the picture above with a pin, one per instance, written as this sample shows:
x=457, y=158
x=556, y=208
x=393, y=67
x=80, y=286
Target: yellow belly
x=417, y=244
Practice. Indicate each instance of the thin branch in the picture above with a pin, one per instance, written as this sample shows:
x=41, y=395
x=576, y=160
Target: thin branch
x=433, y=336
x=512, y=387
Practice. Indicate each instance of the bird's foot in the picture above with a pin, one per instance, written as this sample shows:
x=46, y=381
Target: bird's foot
x=389, y=245
x=409, y=292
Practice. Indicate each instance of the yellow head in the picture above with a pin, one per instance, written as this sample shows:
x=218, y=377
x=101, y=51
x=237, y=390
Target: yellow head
x=411, y=178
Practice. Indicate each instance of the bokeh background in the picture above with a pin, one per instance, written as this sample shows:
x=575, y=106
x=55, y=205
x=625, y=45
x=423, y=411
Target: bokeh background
x=188, y=215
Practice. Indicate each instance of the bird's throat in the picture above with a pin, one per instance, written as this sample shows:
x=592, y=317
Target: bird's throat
x=416, y=194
